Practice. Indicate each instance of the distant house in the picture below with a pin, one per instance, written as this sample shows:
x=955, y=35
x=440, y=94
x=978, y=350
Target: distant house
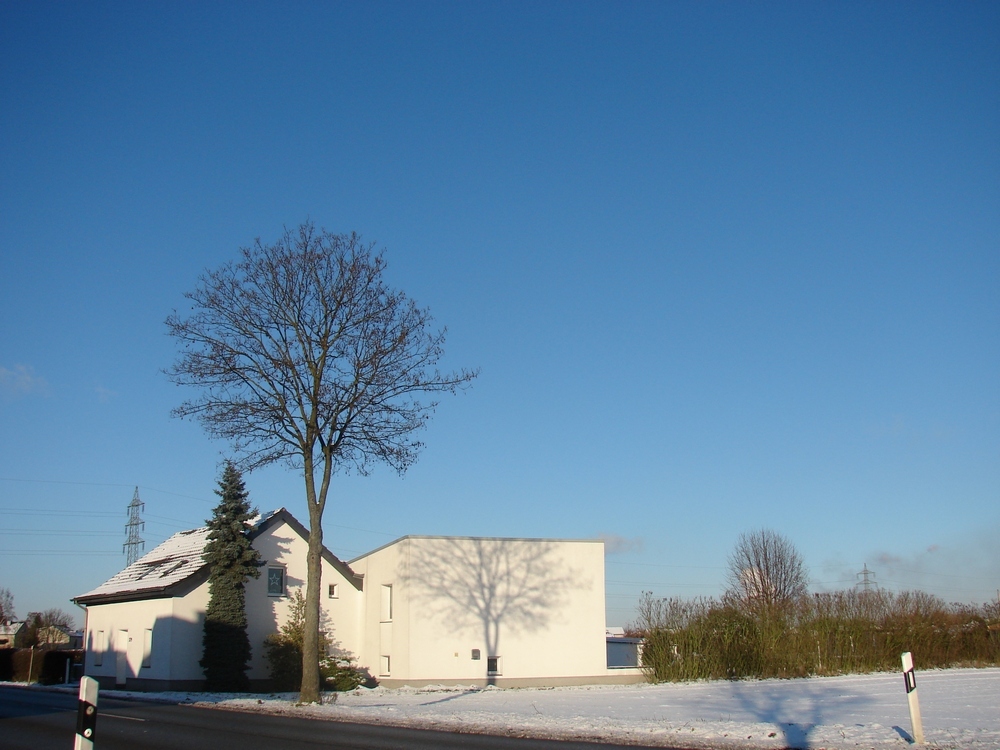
x=421, y=610
x=58, y=637
x=12, y=634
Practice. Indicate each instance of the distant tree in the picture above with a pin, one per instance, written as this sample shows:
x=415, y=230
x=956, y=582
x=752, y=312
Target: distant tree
x=38, y=624
x=765, y=571
x=7, y=613
x=304, y=354
x=233, y=560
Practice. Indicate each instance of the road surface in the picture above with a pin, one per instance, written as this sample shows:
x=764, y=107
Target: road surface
x=35, y=719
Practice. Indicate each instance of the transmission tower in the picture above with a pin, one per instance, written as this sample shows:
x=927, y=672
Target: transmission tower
x=134, y=545
x=867, y=581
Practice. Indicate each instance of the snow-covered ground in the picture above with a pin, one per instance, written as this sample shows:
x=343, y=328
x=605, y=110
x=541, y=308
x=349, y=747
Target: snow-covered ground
x=961, y=709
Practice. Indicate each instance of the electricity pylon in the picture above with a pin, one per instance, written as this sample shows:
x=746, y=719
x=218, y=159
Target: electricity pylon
x=867, y=579
x=134, y=545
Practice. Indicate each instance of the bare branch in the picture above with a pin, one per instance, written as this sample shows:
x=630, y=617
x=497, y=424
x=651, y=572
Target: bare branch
x=765, y=571
x=301, y=353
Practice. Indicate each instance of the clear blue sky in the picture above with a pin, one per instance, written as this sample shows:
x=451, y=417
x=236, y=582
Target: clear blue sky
x=723, y=266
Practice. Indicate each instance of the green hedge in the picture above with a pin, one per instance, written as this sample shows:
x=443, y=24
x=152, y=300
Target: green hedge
x=834, y=633
x=48, y=666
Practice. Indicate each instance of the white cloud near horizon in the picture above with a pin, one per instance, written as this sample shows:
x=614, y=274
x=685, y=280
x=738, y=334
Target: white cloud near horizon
x=20, y=381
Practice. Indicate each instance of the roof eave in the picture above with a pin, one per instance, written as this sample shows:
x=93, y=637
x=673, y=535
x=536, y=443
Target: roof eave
x=153, y=592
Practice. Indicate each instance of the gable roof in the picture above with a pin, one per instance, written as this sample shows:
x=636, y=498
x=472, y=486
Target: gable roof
x=11, y=628
x=178, y=562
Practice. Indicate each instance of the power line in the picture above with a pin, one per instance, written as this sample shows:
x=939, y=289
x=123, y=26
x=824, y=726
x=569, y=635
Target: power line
x=32, y=512
x=660, y=565
x=56, y=532
x=103, y=484
x=47, y=552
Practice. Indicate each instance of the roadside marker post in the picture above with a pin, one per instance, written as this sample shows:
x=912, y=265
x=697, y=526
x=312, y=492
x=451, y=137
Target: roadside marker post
x=86, y=714
x=910, y=678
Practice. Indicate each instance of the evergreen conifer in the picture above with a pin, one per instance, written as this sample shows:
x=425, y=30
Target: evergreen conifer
x=233, y=560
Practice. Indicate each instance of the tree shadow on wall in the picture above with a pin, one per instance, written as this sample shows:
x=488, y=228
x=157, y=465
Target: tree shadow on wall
x=493, y=585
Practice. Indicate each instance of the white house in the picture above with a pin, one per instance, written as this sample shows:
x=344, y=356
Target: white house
x=443, y=610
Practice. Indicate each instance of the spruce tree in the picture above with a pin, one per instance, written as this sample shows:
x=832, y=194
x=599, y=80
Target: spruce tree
x=233, y=560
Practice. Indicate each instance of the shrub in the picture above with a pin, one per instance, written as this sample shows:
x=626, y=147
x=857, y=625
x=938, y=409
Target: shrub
x=283, y=652
x=7, y=664
x=833, y=633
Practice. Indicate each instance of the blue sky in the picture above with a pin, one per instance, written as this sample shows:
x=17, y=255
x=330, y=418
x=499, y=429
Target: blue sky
x=723, y=266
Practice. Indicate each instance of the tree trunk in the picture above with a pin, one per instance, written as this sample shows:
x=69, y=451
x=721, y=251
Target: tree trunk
x=309, y=690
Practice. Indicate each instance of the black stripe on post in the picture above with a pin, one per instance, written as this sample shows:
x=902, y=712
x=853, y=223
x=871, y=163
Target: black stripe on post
x=86, y=720
x=911, y=681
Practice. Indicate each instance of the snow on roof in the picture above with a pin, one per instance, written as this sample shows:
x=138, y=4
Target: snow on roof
x=171, y=562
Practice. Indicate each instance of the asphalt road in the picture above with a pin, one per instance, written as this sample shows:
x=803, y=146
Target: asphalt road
x=32, y=719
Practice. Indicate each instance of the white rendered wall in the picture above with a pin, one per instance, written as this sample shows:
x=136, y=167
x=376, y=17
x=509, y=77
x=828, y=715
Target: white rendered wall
x=538, y=605
x=282, y=546
x=188, y=630
x=176, y=624
x=382, y=638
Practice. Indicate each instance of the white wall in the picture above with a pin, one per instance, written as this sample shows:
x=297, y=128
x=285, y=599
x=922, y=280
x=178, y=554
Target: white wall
x=282, y=547
x=538, y=605
x=177, y=623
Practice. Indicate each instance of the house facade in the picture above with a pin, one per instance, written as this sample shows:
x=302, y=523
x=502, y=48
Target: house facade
x=12, y=634
x=421, y=610
x=472, y=610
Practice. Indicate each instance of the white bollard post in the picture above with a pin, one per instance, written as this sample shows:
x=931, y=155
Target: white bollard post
x=910, y=678
x=86, y=714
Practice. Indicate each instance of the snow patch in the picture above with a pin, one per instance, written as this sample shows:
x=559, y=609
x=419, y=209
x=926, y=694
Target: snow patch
x=961, y=710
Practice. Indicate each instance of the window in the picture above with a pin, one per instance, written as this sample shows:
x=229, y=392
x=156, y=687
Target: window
x=173, y=568
x=334, y=590
x=100, y=645
x=384, y=667
x=275, y=581
x=386, y=603
x=475, y=654
x=494, y=665
x=147, y=648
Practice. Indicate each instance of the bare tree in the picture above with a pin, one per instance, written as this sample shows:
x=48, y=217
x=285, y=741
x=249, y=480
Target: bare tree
x=48, y=627
x=765, y=571
x=7, y=614
x=303, y=354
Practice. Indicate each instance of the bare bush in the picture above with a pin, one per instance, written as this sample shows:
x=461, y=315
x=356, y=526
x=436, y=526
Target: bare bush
x=302, y=353
x=766, y=572
x=831, y=633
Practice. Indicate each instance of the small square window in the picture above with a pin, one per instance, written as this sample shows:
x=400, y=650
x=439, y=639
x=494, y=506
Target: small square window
x=493, y=665
x=475, y=654
x=334, y=591
x=275, y=581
